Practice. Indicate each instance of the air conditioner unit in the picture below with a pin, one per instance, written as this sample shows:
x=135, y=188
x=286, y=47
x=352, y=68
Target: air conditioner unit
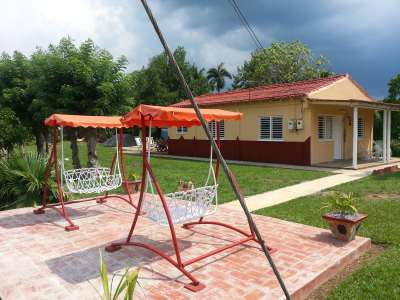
x=291, y=124
x=299, y=124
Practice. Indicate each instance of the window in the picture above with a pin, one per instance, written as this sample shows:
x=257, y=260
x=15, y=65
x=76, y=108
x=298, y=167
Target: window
x=325, y=127
x=212, y=126
x=181, y=130
x=271, y=128
x=361, y=128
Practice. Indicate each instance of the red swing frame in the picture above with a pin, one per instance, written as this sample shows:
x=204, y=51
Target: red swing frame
x=56, y=121
x=194, y=285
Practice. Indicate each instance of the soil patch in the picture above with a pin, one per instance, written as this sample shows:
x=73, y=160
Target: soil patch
x=383, y=196
x=324, y=290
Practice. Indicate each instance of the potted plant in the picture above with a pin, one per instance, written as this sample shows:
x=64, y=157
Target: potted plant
x=343, y=217
x=132, y=183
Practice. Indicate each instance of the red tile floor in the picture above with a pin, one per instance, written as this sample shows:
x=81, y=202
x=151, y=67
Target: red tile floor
x=39, y=260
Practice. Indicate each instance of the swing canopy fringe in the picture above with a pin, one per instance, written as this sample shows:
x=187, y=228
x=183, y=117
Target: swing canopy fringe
x=167, y=116
x=83, y=121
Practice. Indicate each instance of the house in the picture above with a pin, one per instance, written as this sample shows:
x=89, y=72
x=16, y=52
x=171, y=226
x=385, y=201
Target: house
x=301, y=123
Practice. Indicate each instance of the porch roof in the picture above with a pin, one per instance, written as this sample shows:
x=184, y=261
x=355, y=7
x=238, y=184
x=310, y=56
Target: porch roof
x=376, y=105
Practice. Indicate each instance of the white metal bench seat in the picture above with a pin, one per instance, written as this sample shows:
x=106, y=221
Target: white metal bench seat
x=92, y=180
x=184, y=206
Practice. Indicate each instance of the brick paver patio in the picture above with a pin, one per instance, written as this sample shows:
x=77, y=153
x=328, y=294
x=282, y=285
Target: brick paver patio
x=39, y=260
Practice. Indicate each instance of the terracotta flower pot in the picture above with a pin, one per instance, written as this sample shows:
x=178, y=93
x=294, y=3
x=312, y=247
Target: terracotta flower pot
x=344, y=227
x=133, y=186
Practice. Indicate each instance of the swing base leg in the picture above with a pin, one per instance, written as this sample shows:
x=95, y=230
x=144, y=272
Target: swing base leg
x=101, y=201
x=112, y=248
x=71, y=227
x=194, y=287
x=38, y=211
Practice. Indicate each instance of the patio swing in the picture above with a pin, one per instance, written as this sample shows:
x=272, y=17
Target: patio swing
x=90, y=180
x=94, y=180
x=185, y=205
x=189, y=207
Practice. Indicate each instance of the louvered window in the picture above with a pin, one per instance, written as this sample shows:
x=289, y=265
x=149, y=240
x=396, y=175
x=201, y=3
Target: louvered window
x=361, y=127
x=271, y=128
x=212, y=126
x=325, y=127
x=181, y=130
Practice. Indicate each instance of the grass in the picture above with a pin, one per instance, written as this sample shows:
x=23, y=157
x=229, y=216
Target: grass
x=252, y=179
x=379, y=197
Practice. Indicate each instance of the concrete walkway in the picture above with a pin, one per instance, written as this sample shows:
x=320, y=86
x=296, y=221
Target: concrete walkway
x=302, y=189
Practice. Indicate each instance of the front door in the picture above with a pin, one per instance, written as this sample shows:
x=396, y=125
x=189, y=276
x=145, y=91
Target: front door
x=338, y=137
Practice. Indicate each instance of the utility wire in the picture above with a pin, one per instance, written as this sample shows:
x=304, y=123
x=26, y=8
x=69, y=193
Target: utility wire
x=246, y=24
x=231, y=178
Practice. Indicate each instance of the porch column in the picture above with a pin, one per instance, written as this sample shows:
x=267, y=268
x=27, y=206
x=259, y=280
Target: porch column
x=355, y=136
x=384, y=143
x=388, y=138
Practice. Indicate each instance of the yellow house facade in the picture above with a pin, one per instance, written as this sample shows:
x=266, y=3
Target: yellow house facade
x=302, y=123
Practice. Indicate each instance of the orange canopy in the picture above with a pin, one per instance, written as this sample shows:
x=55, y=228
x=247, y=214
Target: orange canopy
x=167, y=116
x=83, y=121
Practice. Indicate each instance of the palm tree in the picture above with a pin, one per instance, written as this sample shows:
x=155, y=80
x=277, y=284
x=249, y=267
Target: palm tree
x=216, y=77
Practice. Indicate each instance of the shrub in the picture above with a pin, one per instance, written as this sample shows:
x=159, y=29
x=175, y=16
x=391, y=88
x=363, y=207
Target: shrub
x=22, y=179
x=395, y=146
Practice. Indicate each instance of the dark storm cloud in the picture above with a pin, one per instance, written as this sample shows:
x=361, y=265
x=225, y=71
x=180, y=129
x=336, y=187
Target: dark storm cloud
x=358, y=37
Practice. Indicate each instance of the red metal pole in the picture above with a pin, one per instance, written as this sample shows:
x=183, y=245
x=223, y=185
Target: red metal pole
x=60, y=193
x=124, y=175
x=143, y=182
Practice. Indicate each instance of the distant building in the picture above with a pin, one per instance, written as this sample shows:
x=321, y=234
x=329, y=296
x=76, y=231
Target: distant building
x=302, y=123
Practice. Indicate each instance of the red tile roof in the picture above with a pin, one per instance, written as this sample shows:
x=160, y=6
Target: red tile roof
x=266, y=92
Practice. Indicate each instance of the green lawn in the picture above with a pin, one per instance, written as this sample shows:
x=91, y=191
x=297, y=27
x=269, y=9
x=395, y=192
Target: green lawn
x=252, y=179
x=379, y=197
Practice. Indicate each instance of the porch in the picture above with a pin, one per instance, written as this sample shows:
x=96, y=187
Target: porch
x=356, y=153
x=361, y=163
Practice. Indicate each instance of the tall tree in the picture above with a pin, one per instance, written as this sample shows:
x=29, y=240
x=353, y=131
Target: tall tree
x=79, y=80
x=282, y=62
x=15, y=95
x=216, y=77
x=158, y=84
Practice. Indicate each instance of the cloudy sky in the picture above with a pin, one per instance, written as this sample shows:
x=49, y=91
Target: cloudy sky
x=360, y=37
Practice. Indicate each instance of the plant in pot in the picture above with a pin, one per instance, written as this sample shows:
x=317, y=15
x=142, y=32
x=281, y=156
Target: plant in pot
x=343, y=217
x=132, y=183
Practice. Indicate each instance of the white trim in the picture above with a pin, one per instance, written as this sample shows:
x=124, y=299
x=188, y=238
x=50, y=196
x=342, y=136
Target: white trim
x=355, y=137
x=389, y=121
x=384, y=144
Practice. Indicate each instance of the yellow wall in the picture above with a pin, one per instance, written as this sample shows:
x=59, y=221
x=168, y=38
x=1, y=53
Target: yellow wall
x=343, y=89
x=323, y=151
x=248, y=127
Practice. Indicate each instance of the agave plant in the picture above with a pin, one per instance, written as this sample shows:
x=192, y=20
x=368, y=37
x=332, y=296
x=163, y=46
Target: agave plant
x=22, y=177
x=125, y=287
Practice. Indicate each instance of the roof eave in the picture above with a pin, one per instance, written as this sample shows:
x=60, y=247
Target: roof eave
x=357, y=103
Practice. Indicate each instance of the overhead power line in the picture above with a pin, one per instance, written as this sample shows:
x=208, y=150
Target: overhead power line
x=246, y=24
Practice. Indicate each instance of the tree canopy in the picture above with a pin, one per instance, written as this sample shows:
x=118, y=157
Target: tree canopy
x=282, y=62
x=158, y=84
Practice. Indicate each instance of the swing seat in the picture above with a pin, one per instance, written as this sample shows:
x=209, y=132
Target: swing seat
x=91, y=180
x=183, y=206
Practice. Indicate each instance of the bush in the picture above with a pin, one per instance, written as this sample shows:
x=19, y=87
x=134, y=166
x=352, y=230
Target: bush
x=22, y=180
x=395, y=146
